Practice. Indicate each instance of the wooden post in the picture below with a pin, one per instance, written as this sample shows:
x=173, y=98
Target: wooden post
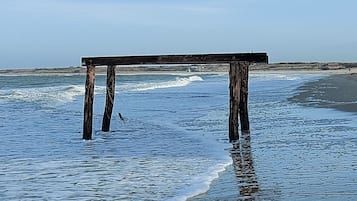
x=88, y=102
x=109, y=98
x=243, y=106
x=234, y=99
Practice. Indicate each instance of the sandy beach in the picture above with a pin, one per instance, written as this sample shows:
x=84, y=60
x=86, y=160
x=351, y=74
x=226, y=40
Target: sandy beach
x=261, y=167
x=309, y=68
x=336, y=91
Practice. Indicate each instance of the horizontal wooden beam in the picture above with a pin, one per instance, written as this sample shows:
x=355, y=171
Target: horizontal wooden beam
x=176, y=59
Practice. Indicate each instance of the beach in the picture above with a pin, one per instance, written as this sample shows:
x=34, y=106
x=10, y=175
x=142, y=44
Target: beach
x=330, y=90
x=335, y=91
x=310, y=68
x=173, y=144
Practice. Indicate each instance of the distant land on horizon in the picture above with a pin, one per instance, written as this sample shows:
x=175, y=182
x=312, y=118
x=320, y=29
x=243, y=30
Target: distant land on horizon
x=184, y=68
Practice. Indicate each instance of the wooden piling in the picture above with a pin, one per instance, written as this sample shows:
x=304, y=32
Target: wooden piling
x=234, y=94
x=109, y=98
x=88, y=102
x=243, y=105
x=238, y=76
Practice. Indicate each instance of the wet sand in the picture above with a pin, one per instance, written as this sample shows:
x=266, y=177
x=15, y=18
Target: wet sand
x=334, y=91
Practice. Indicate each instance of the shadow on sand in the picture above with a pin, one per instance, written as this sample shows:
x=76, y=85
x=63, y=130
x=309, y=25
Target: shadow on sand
x=244, y=168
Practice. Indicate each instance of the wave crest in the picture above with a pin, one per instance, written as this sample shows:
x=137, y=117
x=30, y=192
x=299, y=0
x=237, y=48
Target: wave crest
x=274, y=76
x=44, y=95
x=59, y=95
x=179, y=82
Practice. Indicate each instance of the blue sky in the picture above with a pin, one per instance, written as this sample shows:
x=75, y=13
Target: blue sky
x=57, y=33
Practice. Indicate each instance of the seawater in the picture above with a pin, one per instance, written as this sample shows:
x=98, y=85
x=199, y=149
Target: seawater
x=301, y=153
x=172, y=143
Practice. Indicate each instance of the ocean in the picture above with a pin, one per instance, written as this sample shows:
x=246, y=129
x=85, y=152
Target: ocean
x=173, y=143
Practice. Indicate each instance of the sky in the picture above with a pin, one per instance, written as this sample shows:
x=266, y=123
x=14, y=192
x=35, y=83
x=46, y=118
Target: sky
x=57, y=33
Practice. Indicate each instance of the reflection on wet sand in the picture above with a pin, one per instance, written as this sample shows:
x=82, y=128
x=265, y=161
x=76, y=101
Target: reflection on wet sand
x=244, y=168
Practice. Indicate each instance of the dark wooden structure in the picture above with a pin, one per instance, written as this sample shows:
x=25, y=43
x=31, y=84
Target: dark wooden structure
x=238, y=75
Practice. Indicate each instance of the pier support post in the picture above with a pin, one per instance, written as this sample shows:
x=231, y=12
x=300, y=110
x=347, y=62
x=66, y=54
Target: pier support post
x=88, y=102
x=243, y=106
x=109, y=98
x=234, y=99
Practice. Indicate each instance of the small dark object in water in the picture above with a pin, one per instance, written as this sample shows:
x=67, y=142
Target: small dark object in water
x=121, y=117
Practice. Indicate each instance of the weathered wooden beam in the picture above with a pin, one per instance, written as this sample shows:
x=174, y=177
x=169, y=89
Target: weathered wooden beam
x=238, y=76
x=109, y=98
x=234, y=99
x=176, y=59
x=88, y=103
x=243, y=105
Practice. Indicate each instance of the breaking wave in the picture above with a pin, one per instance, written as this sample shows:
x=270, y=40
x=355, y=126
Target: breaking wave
x=59, y=95
x=179, y=82
x=274, y=76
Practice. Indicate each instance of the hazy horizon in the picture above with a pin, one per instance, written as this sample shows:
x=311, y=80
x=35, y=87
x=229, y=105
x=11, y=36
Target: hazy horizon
x=50, y=33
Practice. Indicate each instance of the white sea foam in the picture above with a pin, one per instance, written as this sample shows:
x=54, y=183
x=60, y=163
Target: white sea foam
x=147, y=159
x=275, y=76
x=179, y=82
x=57, y=95
x=201, y=184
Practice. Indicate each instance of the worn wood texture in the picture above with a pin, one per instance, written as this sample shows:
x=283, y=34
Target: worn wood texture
x=88, y=103
x=238, y=76
x=109, y=98
x=234, y=99
x=176, y=59
x=243, y=105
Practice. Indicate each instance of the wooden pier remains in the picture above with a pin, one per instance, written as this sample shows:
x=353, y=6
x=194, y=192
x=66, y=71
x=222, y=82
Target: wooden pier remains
x=238, y=83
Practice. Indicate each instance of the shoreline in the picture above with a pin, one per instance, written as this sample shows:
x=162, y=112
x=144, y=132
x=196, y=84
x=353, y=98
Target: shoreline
x=338, y=81
x=208, y=69
x=337, y=91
